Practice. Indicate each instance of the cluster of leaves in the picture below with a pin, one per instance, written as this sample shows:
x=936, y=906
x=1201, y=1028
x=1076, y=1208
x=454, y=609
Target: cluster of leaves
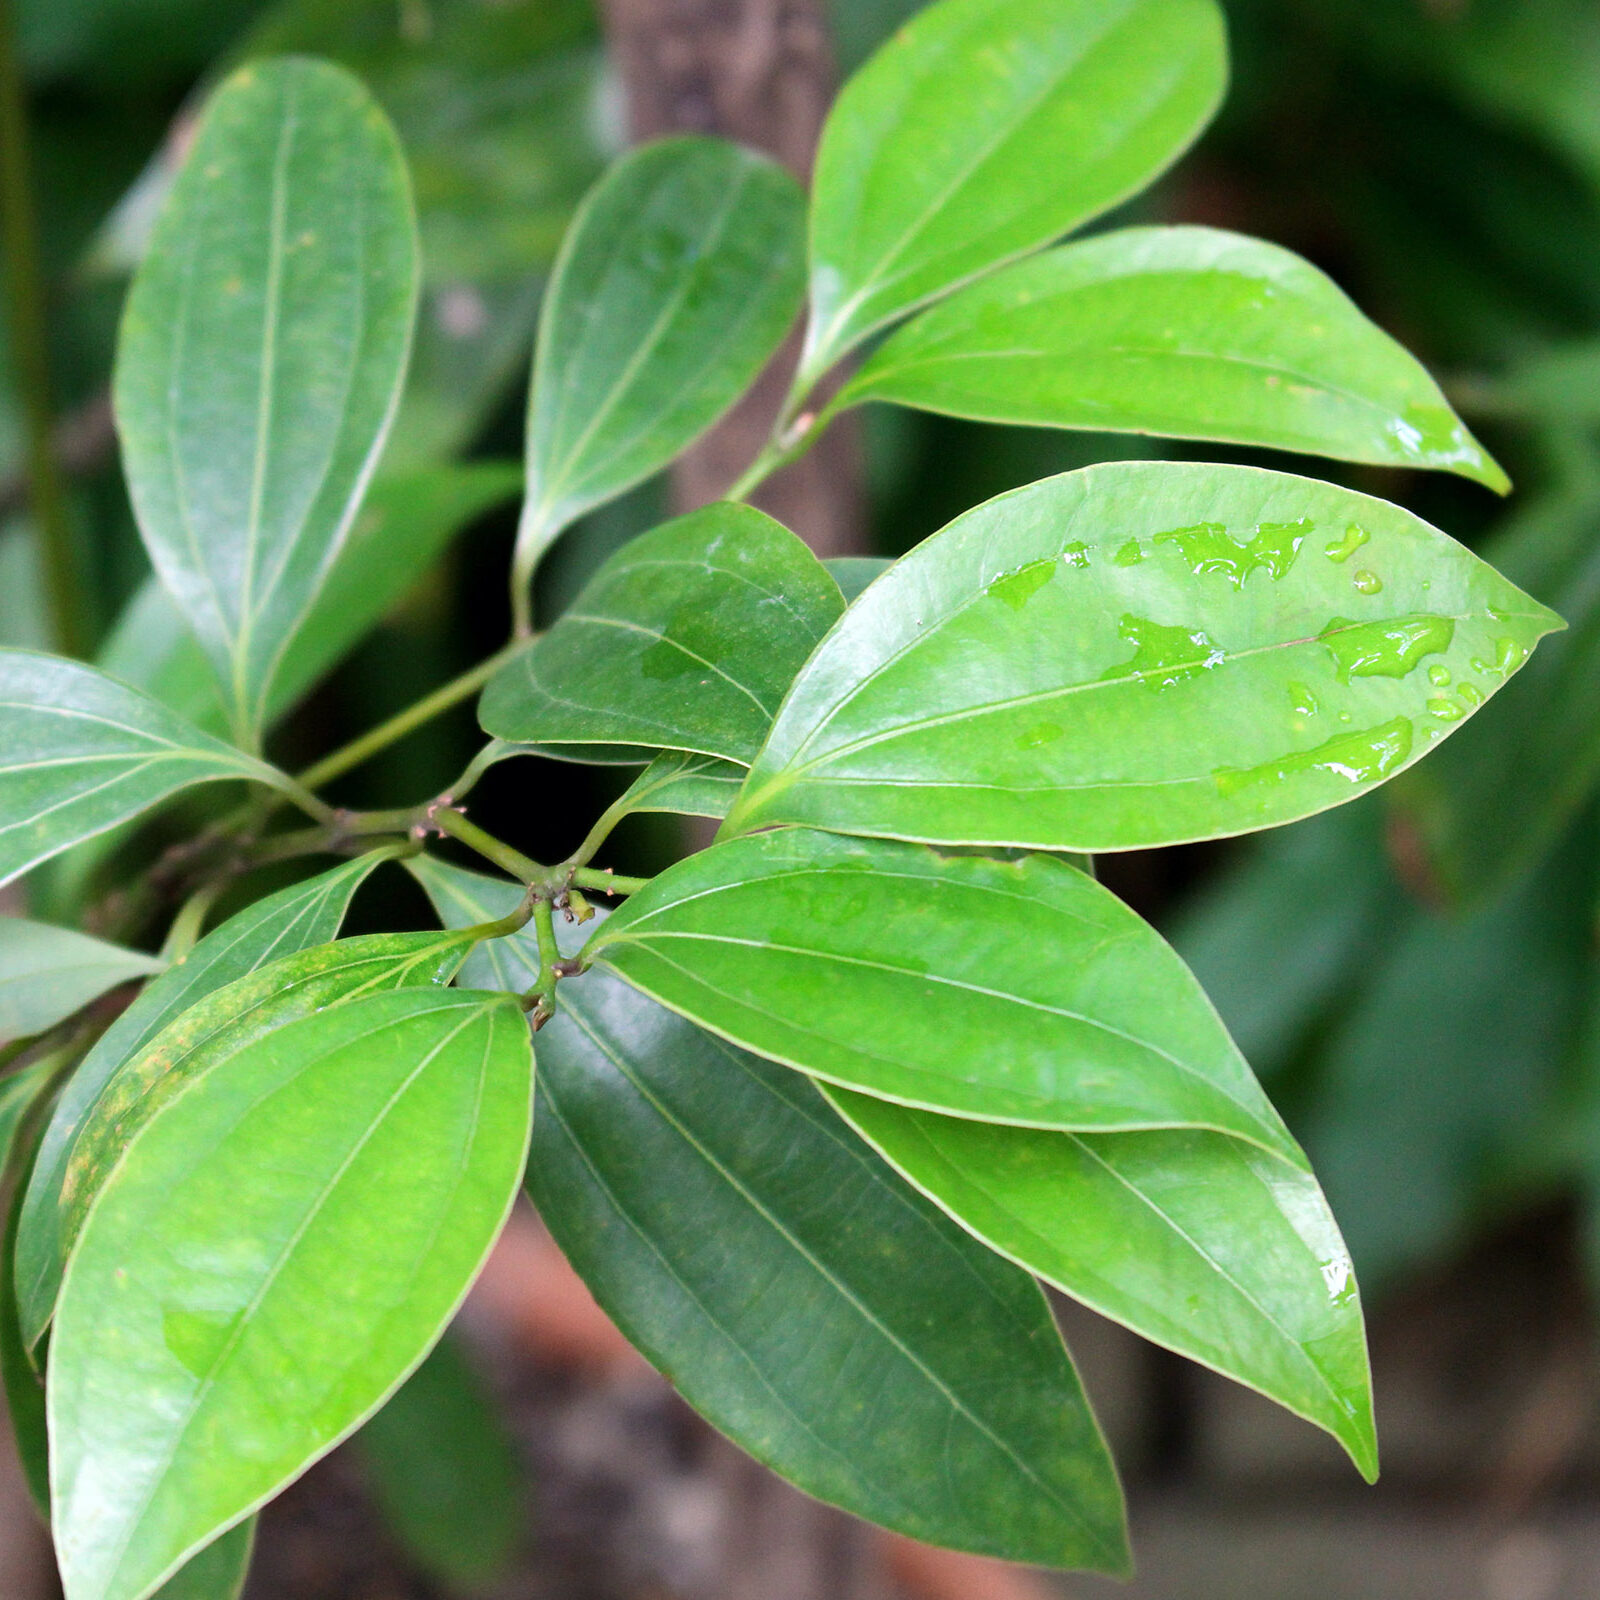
x=816, y=1107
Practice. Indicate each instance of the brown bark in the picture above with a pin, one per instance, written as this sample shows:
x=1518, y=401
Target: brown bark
x=760, y=72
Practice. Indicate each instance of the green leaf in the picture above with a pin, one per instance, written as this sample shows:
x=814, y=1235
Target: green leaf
x=303, y=917
x=80, y=752
x=1188, y=332
x=261, y=357
x=1140, y=653
x=854, y=573
x=463, y=898
x=47, y=973
x=686, y=638
x=801, y=1297
x=218, y=1572
x=678, y=278
x=445, y=1473
x=987, y=128
x=278, y=1250
x=688, y=785
x=1200, y=1242
x=1018, y=992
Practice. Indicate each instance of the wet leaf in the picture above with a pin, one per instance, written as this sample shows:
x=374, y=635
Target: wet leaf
x=686, y=639
x=1189, y=332
x=1136, y=654
x=1200, y=1242
x=261, y=356
x=1018, y=992
x=800, y=1296
x=985, y=129
x=278, y=1250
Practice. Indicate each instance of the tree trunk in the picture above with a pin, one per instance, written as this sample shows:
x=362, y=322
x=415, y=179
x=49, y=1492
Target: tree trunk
x=760, y=72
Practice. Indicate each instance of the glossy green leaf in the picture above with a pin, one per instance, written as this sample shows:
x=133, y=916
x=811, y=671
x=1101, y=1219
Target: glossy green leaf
x=686, y=638
x=688, y=785
x=1140, y=653
x=445, y=1473
x=854, y=573
x=261, y=356
x=680, y=275
x=802, y=1298
x=1018, y=992
x=208, y=1036
x=277, y=1251
x=47, y=973
x=218, y=1572
x=294, y=919
x=987, y=128
x=463, y=898
x=81, y=752
x=1198, y=1241
x=1188, y=332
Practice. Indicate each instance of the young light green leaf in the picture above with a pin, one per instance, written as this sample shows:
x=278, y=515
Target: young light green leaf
x=81, y=752
x=47, y=973
x=279, y=944
x=676, y=1172
x=218, y=1572
x=445, y=1473
x=1018, y=992
x=987, y=128
x=678, y=278
x=1140, y=653
x=686, y=639
x=1200, y=1242
x=1189, y=332
x=367, y=1155
x=261, y=357
x=686, y=785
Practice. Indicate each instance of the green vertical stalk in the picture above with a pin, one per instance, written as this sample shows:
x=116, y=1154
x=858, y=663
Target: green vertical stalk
x=19, y=239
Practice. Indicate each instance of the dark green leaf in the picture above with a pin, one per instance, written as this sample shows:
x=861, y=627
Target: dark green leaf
x=261, y=355
x=1018, y=992
x=802, y=1298
x=445, y=1473
x=1137, y=654
x=686, y=638
x=80, y=752
x=47, y=973
x=1197, y=1241
x=854, y=573
x=278, y=1250
x=682, y=271
x=985, y=129
x=1189, y=332
x=303, y=917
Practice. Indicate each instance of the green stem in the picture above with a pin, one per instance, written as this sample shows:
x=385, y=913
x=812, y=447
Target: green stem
x=407, y=721
x=541, y=998
x=523, y=868
x=18, y=227
x=535, y=535
x=191, y=917
x=608, y=882
x=791, y=439
x=601, y=831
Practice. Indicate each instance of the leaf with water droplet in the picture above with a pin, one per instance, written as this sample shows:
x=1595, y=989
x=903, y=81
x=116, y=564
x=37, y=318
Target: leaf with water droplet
x=1365, y=582
x=1342, y=549
x=918, y=716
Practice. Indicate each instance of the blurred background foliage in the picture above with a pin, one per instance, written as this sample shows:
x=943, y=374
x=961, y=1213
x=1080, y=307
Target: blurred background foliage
x=1416, y=976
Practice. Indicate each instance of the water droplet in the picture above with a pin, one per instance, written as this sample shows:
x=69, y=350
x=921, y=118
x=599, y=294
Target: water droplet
x=1075, y=555
x=1359, y=757
x=1439, y=675
x=1365, y=582
x=1130, y=555
x=1016, y=589
x=1341, y=550
x=1164, y=656
x=1446, y=710
x=1471, y=693
x=1388, y=649
x=1209, y=547
x=1303, y=700
x=1041, y=733
x=1508, y=656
